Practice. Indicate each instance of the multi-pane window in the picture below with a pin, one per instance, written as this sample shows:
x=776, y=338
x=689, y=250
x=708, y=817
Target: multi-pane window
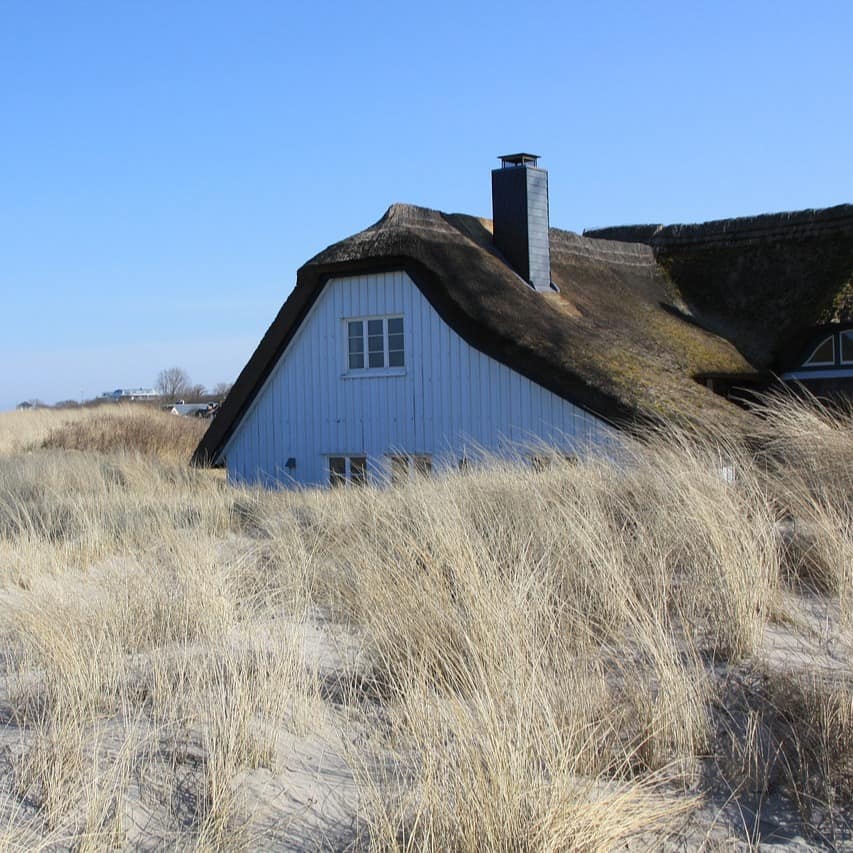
x=540, y=462
x=375, y=343
x=404, y=468
x=399, y=470
x=543, y=461
x=358, y=470
x=337, y=470
x=347, y=469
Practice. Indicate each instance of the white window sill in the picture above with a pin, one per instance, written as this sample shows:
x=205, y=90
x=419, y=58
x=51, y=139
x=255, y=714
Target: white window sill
x=374, y=373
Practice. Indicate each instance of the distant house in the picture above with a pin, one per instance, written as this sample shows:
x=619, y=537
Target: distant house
x=130, y=394
x=24, y=406
x=429, y=336
x=195, y=410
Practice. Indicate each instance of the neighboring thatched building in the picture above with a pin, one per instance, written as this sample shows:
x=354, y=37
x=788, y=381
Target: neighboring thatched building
x=430, y=336
x=778, y=286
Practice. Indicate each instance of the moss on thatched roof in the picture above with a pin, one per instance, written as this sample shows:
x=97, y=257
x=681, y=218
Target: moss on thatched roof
x=759, y=281
x=616, y=340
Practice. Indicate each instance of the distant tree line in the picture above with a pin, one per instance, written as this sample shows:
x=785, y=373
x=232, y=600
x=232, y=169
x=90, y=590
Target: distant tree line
x=174, y=383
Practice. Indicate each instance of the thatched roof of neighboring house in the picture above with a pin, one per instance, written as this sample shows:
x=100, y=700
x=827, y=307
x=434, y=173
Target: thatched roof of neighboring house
x=630, y=328
x=760, y=281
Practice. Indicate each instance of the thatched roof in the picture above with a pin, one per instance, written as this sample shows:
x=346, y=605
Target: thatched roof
x=621, y=339
x=760, y=281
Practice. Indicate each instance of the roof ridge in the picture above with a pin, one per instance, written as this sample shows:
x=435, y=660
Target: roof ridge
x=805, y=223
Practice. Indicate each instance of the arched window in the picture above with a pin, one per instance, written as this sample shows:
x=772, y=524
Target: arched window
x=823, y=353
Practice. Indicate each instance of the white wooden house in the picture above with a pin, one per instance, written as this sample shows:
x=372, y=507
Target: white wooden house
x=374, y=383
x=430, y=337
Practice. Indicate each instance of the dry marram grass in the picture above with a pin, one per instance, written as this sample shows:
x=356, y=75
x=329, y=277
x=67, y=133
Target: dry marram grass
x=572, y=658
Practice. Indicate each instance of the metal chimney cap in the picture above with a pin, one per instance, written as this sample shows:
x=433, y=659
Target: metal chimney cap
x=521, y=159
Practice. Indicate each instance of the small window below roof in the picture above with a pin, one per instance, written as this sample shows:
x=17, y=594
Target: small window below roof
x=847, y=347
x=406, y=468
x=375, y=343
x=823, y=353
x=347, y=470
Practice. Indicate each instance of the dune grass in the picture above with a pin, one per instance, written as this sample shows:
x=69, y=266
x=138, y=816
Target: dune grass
x=20, y=430
x=147, y=432
x=110, y=428
x=570, y=658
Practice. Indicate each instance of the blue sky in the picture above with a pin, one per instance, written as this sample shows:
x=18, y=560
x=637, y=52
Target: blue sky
x=166, y=167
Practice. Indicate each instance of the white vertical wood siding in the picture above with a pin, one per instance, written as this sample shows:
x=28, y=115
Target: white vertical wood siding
x=451, y=399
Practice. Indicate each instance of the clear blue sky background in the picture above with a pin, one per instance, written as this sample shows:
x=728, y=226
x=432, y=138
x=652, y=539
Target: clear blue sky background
x=166, y=167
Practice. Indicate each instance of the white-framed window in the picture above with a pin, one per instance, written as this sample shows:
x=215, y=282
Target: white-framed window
x=375, y=343
x=544, y=460
x=540, y=462
x=823, y=353
x=406, y=467
x=847, y=347
x=347, y=470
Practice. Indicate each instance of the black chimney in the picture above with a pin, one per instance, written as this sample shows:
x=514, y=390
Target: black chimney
x=520, y=214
